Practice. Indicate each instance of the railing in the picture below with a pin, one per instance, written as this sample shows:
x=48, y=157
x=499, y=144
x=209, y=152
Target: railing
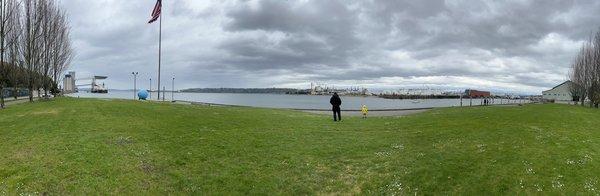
x=9, y=92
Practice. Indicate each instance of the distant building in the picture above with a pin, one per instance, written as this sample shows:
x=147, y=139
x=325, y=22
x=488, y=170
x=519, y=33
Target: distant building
x=476, y=93
x=560, y=92
x=69, y=83
x=322, y=89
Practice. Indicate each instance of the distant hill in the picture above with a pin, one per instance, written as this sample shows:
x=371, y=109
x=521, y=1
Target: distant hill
x=247, y=90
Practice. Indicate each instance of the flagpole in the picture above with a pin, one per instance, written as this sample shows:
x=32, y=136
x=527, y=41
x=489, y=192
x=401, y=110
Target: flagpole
x=159, y=48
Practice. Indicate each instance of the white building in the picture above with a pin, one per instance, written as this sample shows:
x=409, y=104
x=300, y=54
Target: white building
x=559, y=93
x=69, y=85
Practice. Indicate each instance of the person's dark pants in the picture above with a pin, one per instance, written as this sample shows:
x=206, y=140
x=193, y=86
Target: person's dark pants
x=337, y=113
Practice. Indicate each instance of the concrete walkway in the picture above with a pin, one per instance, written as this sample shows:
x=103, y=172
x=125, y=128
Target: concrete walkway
x=11, y=102
x=371, y=113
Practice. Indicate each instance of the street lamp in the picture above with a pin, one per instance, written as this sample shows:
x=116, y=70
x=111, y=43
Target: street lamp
x=134, y=84
x=173, y=90
x=150, y=90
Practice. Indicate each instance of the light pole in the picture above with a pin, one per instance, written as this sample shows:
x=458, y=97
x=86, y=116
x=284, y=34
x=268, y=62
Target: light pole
x=173, y=90
x=134, y=83
x=150, y=90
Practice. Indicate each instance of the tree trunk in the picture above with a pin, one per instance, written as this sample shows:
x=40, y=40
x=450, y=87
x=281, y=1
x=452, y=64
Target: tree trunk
x=30, y=94
x=1, y=97
x=15, y=93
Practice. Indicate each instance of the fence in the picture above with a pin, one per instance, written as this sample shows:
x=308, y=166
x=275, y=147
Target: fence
x=9, y=92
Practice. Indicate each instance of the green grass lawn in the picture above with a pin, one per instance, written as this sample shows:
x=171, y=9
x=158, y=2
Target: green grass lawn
x=123, y=147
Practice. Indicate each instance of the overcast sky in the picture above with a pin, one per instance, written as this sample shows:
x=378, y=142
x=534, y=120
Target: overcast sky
x=521, y=46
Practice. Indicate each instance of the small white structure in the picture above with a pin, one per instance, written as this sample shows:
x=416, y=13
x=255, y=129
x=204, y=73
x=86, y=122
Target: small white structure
x=559, y=93
x=97, y=88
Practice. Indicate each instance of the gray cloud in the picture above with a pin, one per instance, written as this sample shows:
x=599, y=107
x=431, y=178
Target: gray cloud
x=510, y=45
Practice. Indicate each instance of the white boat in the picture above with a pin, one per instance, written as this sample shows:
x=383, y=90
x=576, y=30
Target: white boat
x=97, y=88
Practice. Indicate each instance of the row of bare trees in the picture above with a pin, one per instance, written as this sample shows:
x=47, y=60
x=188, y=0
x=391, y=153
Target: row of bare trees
x=35, y=46
x=585, y=73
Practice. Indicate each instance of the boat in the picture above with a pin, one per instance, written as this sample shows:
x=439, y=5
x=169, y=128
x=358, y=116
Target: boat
x=97, y=88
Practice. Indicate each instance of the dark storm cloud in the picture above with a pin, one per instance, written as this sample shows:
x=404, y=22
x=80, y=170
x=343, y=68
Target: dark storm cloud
x=291, y=36
x=515, y=45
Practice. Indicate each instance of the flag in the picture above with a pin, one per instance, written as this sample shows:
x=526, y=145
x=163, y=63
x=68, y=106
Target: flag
x=156, y=12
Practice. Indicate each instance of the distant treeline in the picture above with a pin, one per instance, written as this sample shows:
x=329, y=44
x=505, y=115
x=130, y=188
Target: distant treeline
x=396, y=96
x=247, y=90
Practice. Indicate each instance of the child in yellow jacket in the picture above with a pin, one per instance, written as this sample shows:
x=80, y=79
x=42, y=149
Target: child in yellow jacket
x=364, y=110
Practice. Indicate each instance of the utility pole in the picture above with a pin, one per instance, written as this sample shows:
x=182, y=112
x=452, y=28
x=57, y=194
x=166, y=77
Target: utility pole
x=150, y=90
x=134, y=84
x=173, y=90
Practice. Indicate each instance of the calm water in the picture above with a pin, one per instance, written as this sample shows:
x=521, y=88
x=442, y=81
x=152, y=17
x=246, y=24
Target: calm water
x=296, y=101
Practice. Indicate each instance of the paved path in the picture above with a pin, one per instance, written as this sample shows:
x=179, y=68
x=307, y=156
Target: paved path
x=14, y=102
x=11, y=101
x=372, y=113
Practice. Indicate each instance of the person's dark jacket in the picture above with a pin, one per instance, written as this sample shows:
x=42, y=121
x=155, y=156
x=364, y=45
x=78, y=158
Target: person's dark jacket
x=335, y=101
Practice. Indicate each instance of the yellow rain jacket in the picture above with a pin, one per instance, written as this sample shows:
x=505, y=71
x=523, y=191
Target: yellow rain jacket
x=364, y=109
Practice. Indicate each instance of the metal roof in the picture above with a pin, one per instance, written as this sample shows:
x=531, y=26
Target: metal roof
x=561, y=84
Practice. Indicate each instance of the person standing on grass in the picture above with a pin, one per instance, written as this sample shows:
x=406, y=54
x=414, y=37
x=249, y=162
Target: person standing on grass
x=364, y=110
x=335, y=102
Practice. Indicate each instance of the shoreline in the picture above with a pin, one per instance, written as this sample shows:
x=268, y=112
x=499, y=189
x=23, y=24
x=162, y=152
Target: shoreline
x=303, y=109
x=343, y=110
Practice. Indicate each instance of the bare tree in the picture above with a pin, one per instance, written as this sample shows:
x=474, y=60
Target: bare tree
x=49, y=26
x=8, y=10
x=579, y=74
x=35, y=36
x=585, y=72
x=15, y=74
x=586, y=61
x=62, y=49
x=31, y=33
x=576, y=89
x=595, y=71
